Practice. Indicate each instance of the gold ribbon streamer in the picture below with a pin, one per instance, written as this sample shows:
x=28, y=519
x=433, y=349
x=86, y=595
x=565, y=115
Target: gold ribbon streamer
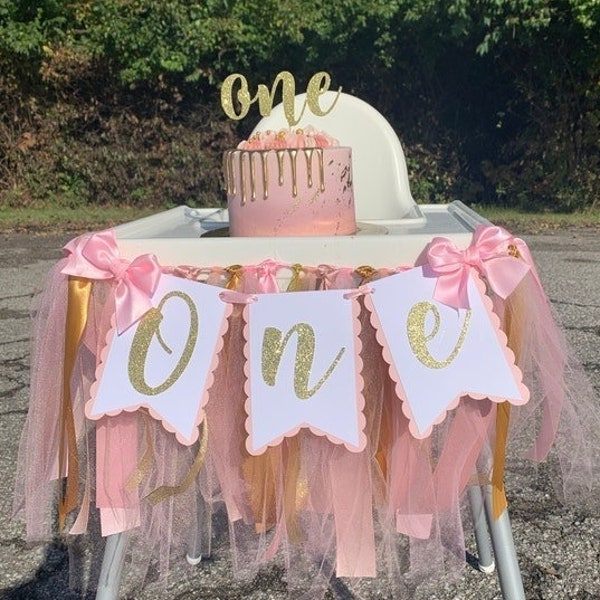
x=260, y=476
x=384, y=444
x=295, y=284
x=499, y=501
x=166, y=491
x=79, y=291
x=235, y=273
x=366, y=273
x=513, y=311
x=293, y=491
x=262, y=473
x=143, y=467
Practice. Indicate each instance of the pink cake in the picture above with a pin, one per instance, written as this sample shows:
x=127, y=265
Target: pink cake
x=290, y=183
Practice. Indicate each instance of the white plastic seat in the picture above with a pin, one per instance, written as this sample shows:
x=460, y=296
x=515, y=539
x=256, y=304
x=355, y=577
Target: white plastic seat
x=380, y=175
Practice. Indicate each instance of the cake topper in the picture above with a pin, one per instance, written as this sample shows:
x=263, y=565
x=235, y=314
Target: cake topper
x=319, y=84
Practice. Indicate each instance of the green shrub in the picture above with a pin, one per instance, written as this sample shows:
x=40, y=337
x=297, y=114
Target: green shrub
x=117, y=100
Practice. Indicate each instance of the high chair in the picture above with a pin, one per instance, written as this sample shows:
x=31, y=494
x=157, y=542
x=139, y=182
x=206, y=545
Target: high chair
x=383, y=196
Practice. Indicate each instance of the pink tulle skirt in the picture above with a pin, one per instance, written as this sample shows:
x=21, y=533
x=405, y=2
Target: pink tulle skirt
x=393, y=511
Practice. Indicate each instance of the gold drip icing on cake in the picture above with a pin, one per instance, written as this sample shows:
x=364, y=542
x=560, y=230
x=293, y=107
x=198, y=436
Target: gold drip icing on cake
x=308, y=152
x=252, y=168
x=321, y=169
x=243, y=178
x=229, y=173
x=244, y=163
x=265, y=174
x=280, y=155
x=293, y=155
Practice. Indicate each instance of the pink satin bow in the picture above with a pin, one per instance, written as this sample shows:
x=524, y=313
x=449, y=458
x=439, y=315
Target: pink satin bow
x=266, y=273
x=501, y=258
x=325, y=277
x=96, y=256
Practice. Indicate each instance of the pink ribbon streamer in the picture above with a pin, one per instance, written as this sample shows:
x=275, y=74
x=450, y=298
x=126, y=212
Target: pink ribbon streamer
x=497, y=255
x=96, y=256
x=363, y=290
x=327, y=276
x=233, y=297
x=116, y=460
x=353, y=514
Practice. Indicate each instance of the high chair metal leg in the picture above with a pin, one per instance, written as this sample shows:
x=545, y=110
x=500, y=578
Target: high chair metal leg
x=485, y=557
x=112, y=566
x=200, y=538
x=503, y=543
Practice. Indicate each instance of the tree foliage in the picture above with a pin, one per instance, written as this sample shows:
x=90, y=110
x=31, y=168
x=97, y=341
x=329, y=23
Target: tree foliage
x=496, y=100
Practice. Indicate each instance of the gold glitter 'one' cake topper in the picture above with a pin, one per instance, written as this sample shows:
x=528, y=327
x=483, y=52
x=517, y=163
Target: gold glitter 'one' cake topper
x=319, y=84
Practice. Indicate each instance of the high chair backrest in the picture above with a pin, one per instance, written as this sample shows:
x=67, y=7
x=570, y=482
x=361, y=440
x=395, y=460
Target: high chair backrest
x=380, y=175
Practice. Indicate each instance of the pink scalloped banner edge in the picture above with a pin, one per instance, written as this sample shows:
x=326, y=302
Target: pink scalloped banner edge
x=395, y=376
x=359, y=386
x=204, y=398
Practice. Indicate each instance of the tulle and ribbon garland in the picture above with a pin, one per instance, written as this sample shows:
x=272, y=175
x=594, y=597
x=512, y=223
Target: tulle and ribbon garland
x=502, y=260
x=305, y=498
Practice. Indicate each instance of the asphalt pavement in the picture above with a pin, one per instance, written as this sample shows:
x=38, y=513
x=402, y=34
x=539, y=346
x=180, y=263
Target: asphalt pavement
x=558, y=548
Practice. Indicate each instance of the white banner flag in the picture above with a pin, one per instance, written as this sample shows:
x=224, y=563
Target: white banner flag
x=438, y=354
x=165, y=362
x=304, y=369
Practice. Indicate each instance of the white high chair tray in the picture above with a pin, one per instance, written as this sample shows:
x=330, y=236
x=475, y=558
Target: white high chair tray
x=179, y=236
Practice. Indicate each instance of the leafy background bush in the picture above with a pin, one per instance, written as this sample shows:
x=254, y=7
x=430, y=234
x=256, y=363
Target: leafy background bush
x=116, y=101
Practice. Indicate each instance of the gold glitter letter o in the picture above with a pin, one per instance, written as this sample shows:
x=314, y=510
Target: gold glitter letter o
x=243, y=97
x=148, y=328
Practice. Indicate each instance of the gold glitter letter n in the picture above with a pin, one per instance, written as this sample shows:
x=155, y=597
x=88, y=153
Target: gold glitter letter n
x=272, y=351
